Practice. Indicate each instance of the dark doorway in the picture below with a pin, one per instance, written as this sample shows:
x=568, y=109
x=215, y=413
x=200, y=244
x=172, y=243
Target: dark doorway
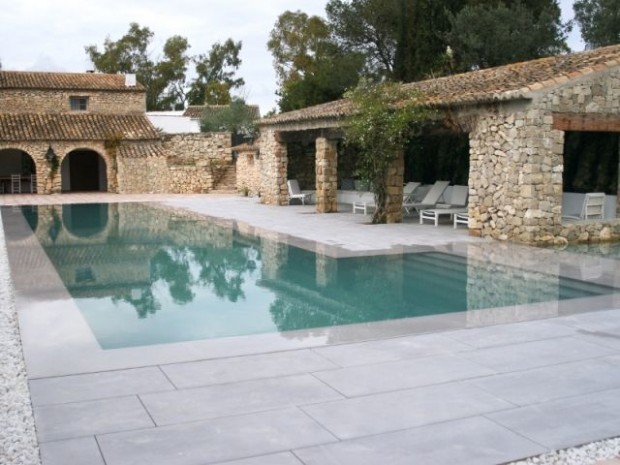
x=84, y=170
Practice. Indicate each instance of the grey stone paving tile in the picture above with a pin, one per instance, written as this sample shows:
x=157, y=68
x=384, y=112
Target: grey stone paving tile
x=554, y=382
x=285, y=458
x=385, y=350
x=65, y=421
x=593, y=321
x=215, y=441
x=510, y=334
x=237, y=398
x=536, y=354
x=233, y=369
x=606, y=337
x=566, y=422
x=391, y=376
x=472, y=441
x=98, y=386
x=380, y=413
x=82, y=451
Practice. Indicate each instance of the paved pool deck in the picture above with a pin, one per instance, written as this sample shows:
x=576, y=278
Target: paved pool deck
x=482, y=387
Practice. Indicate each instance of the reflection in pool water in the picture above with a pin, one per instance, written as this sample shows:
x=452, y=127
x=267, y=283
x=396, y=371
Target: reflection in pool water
x=142, y=275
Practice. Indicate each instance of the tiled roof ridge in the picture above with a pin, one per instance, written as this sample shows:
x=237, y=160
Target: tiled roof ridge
x=65, y=80
x=507, y=82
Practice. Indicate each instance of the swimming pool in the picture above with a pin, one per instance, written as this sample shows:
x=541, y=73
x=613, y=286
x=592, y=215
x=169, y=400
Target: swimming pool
x=142, y=275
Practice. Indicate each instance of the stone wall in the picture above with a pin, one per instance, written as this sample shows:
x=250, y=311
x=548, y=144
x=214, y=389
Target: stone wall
x=143, y=175
x=516, y=164
x=248, y=170
x=49, y=181
x=50, y=101
x=195, y=161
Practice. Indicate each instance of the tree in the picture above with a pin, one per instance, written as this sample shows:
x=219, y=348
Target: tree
x=216, y=72
x=172, y=73
x=383, y=119
x=421, y=43
x=599, y=21
x=310, y=67
x=369, y=27
x=406, y=40
x=493, y=34
x=166, y=81
x=129, y=54
x=236, y=118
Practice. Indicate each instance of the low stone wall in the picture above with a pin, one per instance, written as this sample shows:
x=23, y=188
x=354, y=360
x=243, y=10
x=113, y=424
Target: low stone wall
x=193, y=161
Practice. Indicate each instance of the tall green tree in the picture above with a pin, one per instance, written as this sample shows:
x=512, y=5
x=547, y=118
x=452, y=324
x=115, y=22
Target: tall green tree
x=167, y=83
x=215, y=74
x=310, y=67
x=599, y=21
x=369, y=27
x=492, y=34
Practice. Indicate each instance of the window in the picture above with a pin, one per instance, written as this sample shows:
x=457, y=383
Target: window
x=78, y=103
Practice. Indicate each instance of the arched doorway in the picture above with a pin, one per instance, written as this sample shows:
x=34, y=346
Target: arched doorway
x=17, y=162
x=83, y=170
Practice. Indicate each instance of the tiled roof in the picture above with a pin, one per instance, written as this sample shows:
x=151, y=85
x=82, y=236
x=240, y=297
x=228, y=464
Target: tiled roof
x=57, y=127
x=196, y=111
x=140, y=150
x=64, y=81
x=513, y=81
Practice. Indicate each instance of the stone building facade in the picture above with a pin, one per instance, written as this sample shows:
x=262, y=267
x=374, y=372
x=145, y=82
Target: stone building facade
x=515, y=116
x=89, y=132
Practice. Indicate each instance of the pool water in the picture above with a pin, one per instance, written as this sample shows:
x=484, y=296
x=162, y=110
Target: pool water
x=143, y=275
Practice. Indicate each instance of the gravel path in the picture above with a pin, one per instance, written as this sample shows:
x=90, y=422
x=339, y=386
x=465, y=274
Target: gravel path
x=18, y=443
x=588, y=454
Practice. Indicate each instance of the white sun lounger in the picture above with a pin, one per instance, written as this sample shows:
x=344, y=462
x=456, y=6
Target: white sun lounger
x=430, y=200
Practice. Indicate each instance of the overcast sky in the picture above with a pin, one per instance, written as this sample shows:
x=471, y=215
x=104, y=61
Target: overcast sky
x=50, y=35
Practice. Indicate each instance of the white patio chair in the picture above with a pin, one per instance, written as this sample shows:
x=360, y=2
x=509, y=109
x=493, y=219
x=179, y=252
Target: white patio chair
x=430, y=200
x=593, y=208
x=16, y=184
x=294, y=192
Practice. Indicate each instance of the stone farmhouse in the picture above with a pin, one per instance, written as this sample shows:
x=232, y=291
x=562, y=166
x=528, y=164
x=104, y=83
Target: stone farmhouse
x=516, y=118
x=89, y=132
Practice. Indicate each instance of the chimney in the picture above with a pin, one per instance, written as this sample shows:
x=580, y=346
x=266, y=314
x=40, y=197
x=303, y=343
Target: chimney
x=130, y=80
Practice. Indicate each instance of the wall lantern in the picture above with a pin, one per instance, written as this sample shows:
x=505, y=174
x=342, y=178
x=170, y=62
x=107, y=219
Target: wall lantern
x=50, y=156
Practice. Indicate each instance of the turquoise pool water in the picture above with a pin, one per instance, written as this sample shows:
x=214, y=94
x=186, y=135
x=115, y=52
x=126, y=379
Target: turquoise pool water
x=141, y=275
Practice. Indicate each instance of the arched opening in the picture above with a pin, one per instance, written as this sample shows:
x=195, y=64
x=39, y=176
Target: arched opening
x=83, y=170
x=17, y=172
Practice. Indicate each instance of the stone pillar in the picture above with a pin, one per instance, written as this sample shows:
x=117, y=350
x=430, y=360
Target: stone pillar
x=394, y=189
x=274, y=160
x=326, y=175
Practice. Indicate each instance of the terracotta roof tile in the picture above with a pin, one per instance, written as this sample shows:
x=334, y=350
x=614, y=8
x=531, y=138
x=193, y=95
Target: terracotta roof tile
x=512, y=81
x=56, y=127
x=64, y=81
x=141, y=150
x=196, y=111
